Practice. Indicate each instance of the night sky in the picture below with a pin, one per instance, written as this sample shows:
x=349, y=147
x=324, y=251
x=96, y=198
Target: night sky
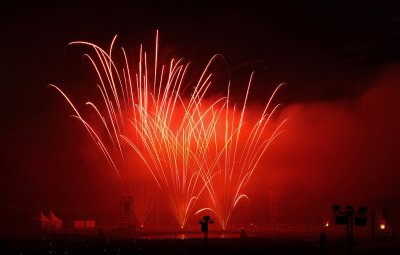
x=340, y=61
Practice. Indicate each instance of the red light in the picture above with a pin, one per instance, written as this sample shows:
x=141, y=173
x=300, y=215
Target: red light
x=382, y=226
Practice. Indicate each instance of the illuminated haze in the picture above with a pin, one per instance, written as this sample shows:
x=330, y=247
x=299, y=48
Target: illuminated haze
x=340, y=62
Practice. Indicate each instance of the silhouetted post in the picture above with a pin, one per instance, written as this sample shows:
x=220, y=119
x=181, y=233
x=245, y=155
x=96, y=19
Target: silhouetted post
x=349, y=229
x=373, y=224
x=204, y=228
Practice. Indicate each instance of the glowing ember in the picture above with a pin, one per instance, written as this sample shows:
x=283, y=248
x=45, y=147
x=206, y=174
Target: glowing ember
x=191, y=146
x=382, y=226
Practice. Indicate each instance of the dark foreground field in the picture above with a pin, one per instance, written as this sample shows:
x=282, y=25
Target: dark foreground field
x=72, y=244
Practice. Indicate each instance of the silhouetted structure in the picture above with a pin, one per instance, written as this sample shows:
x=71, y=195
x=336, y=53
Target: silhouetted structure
x=48, y=223
x=204, y=228
x=84, y=225
x=55, y=223
x=127, y=217
x=382, y=224
x=350, y=218
x=274, y=207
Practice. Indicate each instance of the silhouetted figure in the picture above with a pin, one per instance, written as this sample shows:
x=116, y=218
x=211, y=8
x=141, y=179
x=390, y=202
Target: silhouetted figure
x=243, y=241
x=243, y=234
x=323, y=243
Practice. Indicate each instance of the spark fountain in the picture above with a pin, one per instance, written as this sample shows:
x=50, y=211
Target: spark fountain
x=191, y=146
x=233, y=160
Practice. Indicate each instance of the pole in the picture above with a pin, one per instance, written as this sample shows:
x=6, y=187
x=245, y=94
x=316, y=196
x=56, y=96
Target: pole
x=349, y=232
x=373, y=224
x=205, y=241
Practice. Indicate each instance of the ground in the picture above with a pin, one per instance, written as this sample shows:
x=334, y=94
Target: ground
x=74, y=243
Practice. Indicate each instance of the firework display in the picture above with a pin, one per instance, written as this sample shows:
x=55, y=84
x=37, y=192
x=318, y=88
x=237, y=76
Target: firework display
x=190, y=145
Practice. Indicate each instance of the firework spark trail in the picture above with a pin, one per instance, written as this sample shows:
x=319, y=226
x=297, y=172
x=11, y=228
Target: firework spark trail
x=178, y=140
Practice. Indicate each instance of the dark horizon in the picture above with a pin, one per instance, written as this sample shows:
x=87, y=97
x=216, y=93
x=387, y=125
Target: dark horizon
x=340, y=62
